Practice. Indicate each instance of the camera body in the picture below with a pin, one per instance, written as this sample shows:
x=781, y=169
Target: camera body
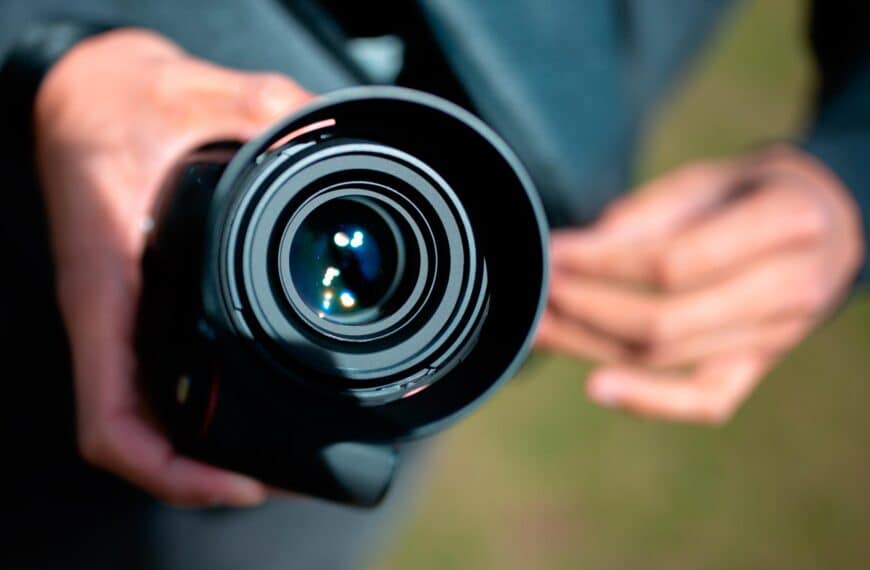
x=364, y=273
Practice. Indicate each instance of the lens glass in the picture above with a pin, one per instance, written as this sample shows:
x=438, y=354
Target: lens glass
x=346, y=260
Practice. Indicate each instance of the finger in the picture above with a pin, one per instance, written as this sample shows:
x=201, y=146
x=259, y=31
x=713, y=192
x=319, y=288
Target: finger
x=267, y=97
x=568, y=337
x=254, y=103
x=621, y=312
x=785, y=285
x=236, y=105
x=98, y=302
x=710, y=394
x=604, y=255
x=256, y=95
x=619, y=244
x=129, y=447
x=773, y=218
x=670, y=201
x=764, y=338
x=96, y=298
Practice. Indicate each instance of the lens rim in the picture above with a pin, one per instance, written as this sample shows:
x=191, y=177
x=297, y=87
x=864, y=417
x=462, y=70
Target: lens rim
x=386, y=360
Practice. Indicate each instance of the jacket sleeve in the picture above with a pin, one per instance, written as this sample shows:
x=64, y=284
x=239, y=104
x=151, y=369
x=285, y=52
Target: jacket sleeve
x=33, y=36
x=839, y=133
x=26, y=61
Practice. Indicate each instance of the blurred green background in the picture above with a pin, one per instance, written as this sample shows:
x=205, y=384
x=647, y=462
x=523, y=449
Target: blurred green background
x=539, y=478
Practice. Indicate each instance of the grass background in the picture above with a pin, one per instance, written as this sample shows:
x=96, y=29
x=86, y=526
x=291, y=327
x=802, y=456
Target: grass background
x=539, y=478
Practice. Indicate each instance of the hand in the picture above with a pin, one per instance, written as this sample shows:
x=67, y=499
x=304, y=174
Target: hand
x=111, y=118
x=691, y=288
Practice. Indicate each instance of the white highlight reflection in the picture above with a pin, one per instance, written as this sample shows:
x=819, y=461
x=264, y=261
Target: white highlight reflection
x=331, y=273
x=340, y=239
x=347, y=300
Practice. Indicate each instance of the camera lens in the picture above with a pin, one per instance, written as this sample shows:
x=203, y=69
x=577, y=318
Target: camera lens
x=347, y=259
x=359, y=266
x=363, y=273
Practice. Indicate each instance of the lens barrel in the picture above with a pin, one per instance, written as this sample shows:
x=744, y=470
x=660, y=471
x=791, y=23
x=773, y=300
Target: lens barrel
x=363, y=273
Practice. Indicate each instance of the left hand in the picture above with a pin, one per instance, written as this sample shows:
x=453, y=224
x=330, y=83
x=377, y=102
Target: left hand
x=691, y=288
x=112, y=117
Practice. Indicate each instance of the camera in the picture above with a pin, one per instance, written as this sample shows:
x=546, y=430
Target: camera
x=364, y=273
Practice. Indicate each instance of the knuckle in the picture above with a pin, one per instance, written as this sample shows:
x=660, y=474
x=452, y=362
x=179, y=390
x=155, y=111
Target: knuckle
x=807, y=218
x=555, y=295
x=93, y=444
x=668, y=270
x=266, y=81
x=810, y=221
x=166, y=84
x=265, y=91
x=565, y=298
x=614, y=213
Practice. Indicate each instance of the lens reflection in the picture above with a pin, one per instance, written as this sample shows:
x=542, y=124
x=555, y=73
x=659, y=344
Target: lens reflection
x=345, y=260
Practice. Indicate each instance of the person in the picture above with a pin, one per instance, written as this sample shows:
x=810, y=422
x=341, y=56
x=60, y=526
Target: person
x=687, y=290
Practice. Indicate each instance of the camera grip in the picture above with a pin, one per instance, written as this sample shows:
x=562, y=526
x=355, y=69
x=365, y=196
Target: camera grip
x=211, y=420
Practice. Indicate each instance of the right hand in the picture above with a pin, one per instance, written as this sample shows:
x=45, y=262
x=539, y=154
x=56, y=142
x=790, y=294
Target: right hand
x=693, y=287
x=111, y=118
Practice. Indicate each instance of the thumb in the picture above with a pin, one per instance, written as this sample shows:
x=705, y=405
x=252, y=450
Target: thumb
x=267, y=97
x=241, y=105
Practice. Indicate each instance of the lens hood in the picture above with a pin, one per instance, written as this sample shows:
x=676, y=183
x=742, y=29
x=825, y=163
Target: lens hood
x=365, y=272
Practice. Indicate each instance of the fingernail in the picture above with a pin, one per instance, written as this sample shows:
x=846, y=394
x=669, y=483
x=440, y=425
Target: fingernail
x=246, y=492
x=604, y=389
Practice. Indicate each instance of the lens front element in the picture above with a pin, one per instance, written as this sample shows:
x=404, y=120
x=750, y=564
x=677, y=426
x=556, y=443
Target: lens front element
x=347, y=259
